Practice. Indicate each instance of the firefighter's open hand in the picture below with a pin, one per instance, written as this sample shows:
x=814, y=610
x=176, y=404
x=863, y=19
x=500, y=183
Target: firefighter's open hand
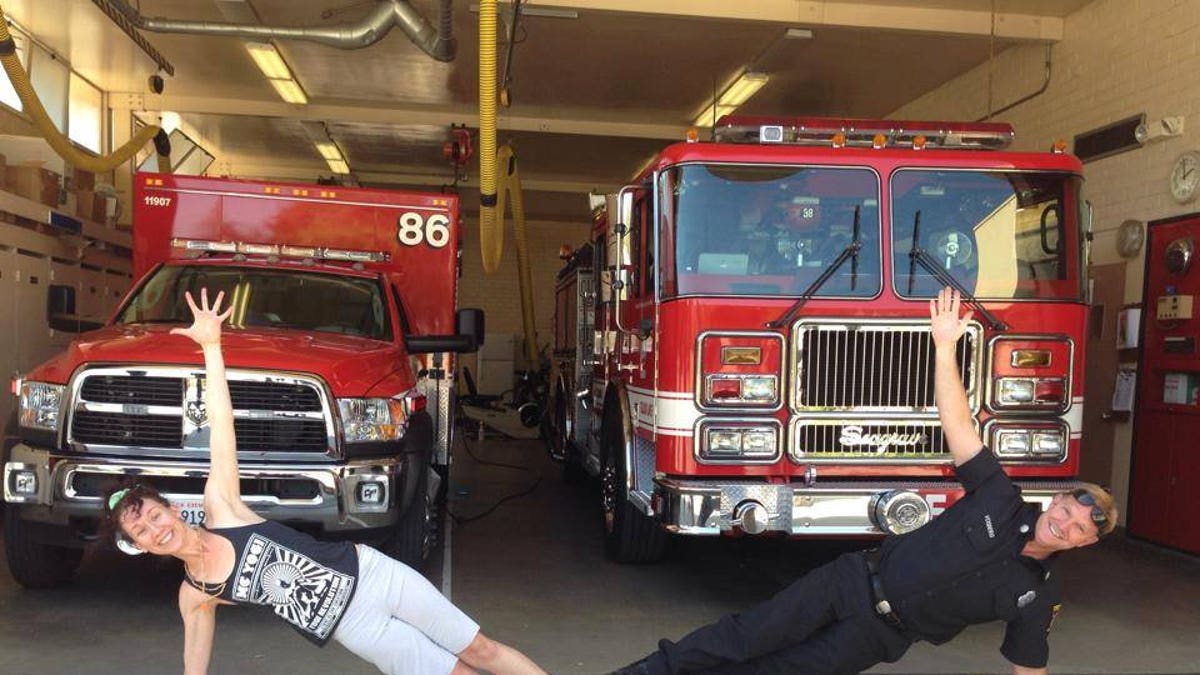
x=206, y=321
x=945, y=323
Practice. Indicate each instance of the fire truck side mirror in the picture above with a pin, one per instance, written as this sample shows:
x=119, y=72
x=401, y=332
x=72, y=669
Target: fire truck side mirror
x=469, y=322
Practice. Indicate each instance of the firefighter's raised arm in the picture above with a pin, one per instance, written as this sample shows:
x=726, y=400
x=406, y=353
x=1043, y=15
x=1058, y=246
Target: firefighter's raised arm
x=222, y=493
x=951, y=398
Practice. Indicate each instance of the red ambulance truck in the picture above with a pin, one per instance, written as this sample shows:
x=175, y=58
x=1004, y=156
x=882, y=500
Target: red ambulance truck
x=340, y=355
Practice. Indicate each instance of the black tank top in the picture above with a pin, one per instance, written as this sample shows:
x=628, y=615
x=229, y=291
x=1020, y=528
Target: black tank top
x=307, y=583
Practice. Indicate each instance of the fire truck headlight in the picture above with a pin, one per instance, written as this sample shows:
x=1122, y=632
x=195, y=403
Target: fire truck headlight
x=39, y=406
x=734, y=443
x=724, y=442
x=366, y=420
x=759, y=443
x=1048, y=443
x=759, y=389
x=1012, y=442
x=1013, y=391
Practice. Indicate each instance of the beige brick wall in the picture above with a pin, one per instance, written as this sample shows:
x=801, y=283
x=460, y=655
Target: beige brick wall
x=1117, y=58
x=499, y=294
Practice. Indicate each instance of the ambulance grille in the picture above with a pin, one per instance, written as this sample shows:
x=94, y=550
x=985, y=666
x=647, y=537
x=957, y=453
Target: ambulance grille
x=157, y=408
x=873, y=367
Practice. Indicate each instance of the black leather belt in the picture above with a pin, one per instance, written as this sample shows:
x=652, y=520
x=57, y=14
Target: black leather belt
x=883, y=608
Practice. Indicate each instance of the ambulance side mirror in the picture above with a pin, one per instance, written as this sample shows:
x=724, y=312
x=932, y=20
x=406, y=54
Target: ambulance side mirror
x=469, y=336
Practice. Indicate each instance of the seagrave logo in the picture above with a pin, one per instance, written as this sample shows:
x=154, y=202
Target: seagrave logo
x=853, y=436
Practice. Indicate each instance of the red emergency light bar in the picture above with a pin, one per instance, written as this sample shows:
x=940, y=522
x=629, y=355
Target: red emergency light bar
x=850, y=132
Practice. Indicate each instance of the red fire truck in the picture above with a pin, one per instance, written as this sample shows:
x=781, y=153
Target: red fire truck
x=339, y=355
x=743, y=345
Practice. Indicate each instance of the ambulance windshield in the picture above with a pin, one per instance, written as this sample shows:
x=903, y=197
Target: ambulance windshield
x=266, y=298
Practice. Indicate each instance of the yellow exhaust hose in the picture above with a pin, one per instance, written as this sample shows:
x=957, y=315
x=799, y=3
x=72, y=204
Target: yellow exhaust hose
x=510, y=185
x=33, y=107
x=491, y=195
x=491, y=239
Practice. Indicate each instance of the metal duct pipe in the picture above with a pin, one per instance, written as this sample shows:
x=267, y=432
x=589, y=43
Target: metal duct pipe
x=437, y=42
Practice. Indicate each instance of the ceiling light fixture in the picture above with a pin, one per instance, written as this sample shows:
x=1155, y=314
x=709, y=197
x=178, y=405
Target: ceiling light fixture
x=798, y=34
x=272, y=65
x=733, y=96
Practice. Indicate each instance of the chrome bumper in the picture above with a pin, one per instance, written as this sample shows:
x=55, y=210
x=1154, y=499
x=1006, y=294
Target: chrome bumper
x=831, y=509
x=333, y=508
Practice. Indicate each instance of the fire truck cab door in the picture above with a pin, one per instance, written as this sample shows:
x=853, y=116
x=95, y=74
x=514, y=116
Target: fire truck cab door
x=631, y=253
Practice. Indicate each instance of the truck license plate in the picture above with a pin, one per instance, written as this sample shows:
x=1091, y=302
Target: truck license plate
x=190, y=508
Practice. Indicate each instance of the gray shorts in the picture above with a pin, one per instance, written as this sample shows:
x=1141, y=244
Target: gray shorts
x=400, y=622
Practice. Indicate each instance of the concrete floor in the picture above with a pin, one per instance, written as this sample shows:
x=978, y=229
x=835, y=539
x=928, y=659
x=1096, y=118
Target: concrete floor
x=532, y=574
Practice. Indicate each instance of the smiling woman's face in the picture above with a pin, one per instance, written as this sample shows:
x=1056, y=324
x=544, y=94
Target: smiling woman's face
x=1065, y=524
x=154, y=528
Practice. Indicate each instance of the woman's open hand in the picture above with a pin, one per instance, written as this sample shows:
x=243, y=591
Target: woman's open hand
x=946, y=325
x=206, y=322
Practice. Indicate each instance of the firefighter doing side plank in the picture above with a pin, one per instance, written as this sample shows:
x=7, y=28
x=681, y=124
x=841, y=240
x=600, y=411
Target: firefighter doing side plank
x=994, y=560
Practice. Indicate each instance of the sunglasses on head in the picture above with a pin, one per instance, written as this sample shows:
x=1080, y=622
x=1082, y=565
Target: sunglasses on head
x=1099, y=517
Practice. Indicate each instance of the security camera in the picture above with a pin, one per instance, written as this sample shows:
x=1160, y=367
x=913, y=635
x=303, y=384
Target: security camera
x=156, y=83
x=1157, y=130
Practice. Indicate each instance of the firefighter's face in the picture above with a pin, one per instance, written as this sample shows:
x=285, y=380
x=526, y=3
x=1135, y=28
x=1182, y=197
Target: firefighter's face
x=1066, y=524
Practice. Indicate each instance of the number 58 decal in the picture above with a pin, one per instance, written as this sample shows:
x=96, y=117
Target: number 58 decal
x=415, y=230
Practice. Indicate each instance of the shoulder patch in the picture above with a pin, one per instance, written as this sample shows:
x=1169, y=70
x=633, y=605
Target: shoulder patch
x=1053, y=615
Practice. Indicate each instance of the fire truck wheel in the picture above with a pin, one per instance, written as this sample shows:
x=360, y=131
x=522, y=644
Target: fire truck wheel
x=414, y=537
x=629, y=536
x=32, y=563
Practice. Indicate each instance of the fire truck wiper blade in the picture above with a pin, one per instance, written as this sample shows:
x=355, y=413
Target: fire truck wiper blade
x=918, y=256
x=851, y=251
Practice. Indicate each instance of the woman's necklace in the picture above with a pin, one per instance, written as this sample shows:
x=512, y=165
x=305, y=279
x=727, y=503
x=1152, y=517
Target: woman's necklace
x=211, y=590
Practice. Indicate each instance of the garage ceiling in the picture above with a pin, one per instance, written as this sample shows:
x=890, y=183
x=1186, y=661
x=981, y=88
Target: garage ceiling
x=593, y=96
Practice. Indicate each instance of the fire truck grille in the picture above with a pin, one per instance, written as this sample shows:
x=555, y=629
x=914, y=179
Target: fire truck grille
x=872, y=367
x=158, y=407
x=150, y=431
x=868, y=440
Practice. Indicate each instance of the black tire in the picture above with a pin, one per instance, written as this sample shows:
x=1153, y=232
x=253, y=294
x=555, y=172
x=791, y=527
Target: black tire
x=414, y=537
x=629, y=536
x=32, y=563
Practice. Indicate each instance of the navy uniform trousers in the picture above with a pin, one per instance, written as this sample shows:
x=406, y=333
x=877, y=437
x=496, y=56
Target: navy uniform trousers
x=823, y=623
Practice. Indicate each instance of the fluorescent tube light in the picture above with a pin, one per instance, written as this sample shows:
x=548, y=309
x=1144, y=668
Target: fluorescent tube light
x=268, y=60
x=338, y=166
x=734, y=95
x=330, y=151
x=289, y=91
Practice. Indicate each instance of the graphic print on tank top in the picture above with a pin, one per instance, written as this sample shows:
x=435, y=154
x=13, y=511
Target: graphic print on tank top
x=302, y=592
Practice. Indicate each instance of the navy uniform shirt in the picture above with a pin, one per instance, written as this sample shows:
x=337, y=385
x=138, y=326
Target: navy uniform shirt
x=965, y=567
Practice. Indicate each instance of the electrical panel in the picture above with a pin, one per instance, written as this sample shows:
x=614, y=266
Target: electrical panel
x=1171, y=307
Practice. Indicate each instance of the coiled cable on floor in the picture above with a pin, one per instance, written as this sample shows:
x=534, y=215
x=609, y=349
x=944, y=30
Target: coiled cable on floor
x=537, y=481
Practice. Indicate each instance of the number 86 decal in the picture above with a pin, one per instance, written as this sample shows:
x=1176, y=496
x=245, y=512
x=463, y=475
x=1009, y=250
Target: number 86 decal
x=415, y=230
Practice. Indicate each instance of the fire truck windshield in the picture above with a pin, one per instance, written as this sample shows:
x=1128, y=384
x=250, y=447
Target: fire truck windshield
x=266, y=298
x=1002, y=235
x=769, y=230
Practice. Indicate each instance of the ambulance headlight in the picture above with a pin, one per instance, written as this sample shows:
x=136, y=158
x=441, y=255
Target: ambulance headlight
x=39, y=406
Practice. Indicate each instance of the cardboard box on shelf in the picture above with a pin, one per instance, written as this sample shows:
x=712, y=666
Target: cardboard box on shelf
x=82, y=180
x=91, y=206
x=33, y=182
